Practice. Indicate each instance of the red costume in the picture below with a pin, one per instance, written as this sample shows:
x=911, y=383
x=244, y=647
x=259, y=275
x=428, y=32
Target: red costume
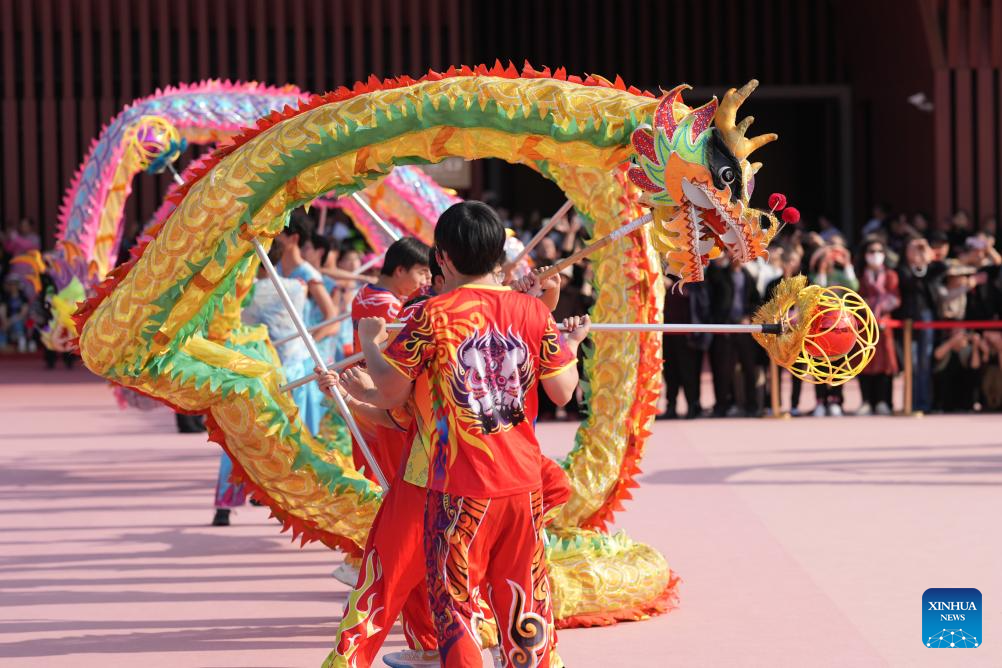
x=482, y=350
x=387, y=445
x=392, y=573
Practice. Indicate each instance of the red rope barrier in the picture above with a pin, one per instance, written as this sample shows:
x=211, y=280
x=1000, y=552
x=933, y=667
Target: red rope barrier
x=945, y=324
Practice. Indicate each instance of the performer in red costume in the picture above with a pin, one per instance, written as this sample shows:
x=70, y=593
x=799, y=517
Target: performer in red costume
x=392, y=578
x=482, y=348
x=404, y=273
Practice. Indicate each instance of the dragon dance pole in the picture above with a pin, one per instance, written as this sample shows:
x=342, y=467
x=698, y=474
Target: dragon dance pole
x=543, y=231
x=317, y=327
x=368, y=265
x=610, y=238
x=343, y=364
x=767, y=328
x=386, y=227
x=311, y=346
x=670, y=328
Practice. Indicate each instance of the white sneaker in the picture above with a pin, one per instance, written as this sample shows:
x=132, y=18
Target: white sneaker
x=865, y=409
x=818, y=412
x=32, y=347
x=835, y=411
x=883, y=409
x=412, y=657
x=346, y=573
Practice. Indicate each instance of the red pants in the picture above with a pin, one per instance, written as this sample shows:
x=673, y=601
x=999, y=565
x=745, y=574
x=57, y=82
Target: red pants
x=388, y=446
x=391, y=580
x=497, y=543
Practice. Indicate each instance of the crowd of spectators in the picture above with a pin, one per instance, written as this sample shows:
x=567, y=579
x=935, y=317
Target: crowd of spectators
x=904, y=267
x=18, y=310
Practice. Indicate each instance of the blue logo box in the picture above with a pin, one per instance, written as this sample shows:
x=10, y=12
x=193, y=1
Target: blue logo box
x=951, y=618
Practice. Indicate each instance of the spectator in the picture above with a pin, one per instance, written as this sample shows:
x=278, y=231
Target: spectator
x=989, y=228
x=920, y=223
x=960, y=229
x=831, y=266
x=991, y=376
x=827, y=229
x=984, y=298
x=766, y=270
x=916, y=278
x=950, y=292
x=734, y=300
x=15, y=316
x=22, y=239
x=879, y=288
x=957, y=361
x=939, y=242
x=683, y=354
x=792, y=259
x=899, y=233
x=877, y=217
x=546, y=252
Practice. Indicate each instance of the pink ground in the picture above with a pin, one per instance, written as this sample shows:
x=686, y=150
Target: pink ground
x=803, y=542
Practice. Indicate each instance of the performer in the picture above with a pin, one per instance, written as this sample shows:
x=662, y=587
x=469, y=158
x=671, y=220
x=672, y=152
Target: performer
x=483, y=348
x=266, y=308
x=394, y=547
x=404, y=273
x=294, y=239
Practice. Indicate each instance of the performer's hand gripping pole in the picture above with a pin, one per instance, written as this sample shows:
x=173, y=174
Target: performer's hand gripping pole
x=311, y=346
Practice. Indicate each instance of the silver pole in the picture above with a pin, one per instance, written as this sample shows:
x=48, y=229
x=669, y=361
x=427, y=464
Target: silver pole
x=346, y=362
x=311, y=346
x=389, y=229
x=315, y=328
x=768, y=328
x=368, y=265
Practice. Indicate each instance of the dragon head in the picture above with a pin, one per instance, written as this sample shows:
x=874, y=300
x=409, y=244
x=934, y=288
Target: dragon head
x=693, y=169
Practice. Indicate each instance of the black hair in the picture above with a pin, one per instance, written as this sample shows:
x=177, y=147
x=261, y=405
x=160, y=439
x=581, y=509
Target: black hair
x=324, y=245
x=433, y=265
x=473, y=237
x=406, y=253
x=873, y=240
x=937, y=237
x=301, y=224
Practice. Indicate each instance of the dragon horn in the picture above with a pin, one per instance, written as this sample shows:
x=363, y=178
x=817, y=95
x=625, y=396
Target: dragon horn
x=734, y=135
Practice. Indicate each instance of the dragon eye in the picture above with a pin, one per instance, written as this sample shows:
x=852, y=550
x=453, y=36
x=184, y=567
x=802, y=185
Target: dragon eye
x=726, y=175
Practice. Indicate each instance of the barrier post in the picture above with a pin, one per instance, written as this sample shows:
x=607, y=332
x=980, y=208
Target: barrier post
x=906, y=409
x=774, y=388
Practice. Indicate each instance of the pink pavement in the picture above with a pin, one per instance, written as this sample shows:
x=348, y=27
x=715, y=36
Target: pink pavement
x=803, y=542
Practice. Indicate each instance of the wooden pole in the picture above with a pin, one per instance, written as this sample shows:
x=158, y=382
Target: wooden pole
x=774, y=388
x=909, y=370
x=543, y=231
x=599, y=244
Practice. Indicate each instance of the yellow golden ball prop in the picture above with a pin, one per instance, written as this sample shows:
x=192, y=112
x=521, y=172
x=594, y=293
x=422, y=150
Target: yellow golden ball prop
x=151, y=137
x=840, y=339
x=829, y=334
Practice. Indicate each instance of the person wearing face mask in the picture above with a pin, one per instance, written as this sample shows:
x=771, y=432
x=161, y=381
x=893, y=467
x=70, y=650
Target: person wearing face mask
x=879, y=288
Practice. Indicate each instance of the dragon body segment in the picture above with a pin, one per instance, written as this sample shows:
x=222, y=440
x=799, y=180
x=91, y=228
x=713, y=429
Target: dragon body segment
x=166, y=323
